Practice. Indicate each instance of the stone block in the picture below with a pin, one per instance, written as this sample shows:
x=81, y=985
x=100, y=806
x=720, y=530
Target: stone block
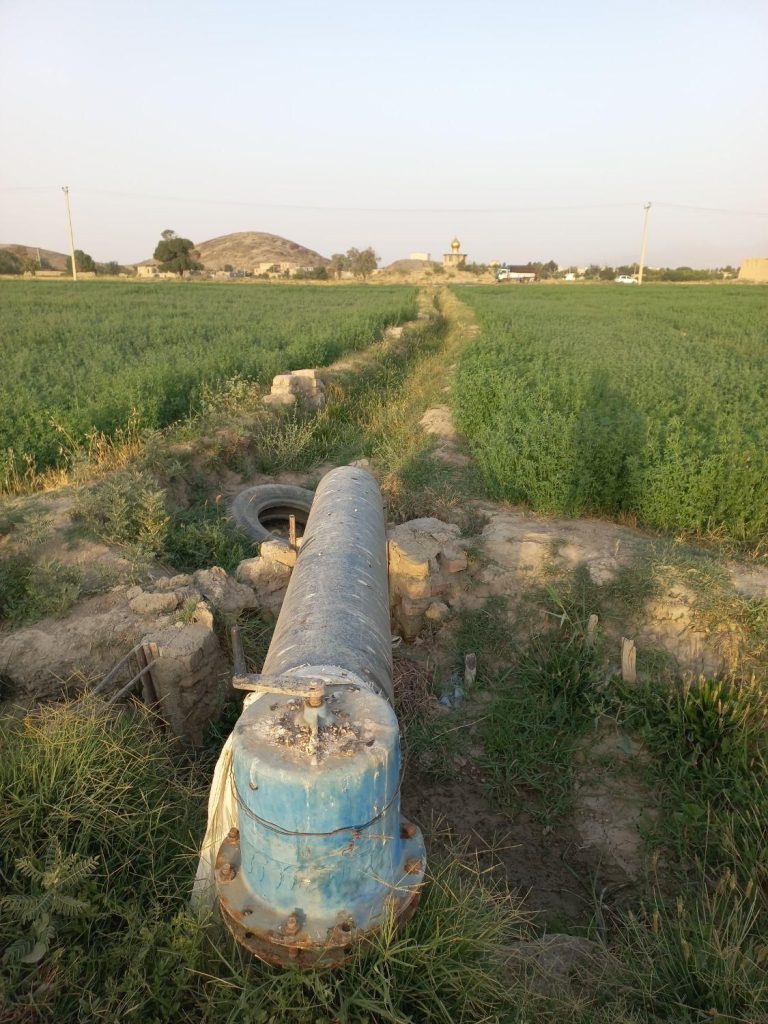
x=263, y=576
x=415, y=607
x=452, y=560
x=437, y=612
x=279, y=399
x=407, y=558
x=285, y=382
x=277, y=551
x=172, y=582
x=223, y=592
x=407, y=586
x=153, y=604
x=410, y=625
x=189, y=675
x=434, y=527
x=310, y=375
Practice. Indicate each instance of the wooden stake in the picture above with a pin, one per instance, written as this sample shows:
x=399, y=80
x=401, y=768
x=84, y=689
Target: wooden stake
x=628, y=660
x=470, y=670
x=292, y=531
x=149, y=654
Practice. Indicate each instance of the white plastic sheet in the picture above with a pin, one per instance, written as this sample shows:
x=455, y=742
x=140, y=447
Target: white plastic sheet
x=223, y=814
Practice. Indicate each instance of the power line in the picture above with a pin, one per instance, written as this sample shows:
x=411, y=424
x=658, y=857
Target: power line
x=257, y=204
x=713, y=209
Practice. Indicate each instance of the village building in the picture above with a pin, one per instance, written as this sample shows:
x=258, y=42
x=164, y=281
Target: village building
x=755, y=269
x=455, y=258
x=153, y=270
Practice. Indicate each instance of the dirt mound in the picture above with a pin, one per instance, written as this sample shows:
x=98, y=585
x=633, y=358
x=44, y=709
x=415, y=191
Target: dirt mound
x=406, y=266
x=245, y=250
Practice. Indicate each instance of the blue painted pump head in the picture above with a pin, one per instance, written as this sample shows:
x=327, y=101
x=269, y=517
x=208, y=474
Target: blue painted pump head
x=320, y=856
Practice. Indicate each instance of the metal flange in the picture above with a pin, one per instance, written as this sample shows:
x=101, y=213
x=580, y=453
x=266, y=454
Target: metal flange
x=294, y=940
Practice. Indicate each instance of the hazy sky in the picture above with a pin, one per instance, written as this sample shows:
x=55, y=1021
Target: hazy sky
x=533, y=131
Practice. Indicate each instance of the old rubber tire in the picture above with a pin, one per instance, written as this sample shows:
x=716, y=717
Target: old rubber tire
x=256, y=509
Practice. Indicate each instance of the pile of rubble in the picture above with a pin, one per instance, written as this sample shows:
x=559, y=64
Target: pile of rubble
x=425, y=557
x=268, y=575
x=172, y=618
x=300, y=386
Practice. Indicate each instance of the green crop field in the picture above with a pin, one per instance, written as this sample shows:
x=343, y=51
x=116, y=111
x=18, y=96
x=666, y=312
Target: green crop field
x=83, y=357
x=650, y=403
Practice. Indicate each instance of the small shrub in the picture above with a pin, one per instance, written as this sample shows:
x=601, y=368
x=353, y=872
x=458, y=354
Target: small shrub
x=126, y=508
x=31, y=590
x=203, y=536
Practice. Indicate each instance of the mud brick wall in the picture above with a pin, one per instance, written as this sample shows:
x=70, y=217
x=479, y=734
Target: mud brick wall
x=425, y=563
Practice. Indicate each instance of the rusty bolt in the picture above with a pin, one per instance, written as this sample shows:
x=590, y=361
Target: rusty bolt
x=412, y=866
x=226, y=872
x=233, y=835
x=315, y=699
x=407, y=830
x=291, y=924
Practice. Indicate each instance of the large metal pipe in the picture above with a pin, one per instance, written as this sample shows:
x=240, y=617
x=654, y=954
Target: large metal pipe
x=336, y=610
x=321, y=857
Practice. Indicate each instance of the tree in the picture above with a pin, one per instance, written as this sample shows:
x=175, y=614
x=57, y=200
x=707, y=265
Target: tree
x=546, y=270
x=337, y=264
x=111, y=269
x=362, y=262
x=83, y=262
x=9, y=262
x=313, y=274
x=175, y=254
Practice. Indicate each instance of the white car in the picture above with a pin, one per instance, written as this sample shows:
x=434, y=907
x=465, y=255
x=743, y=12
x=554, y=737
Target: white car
x=625, y=279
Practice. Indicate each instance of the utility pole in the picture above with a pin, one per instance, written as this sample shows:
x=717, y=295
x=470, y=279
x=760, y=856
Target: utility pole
x=65, y=190
x=644, y=243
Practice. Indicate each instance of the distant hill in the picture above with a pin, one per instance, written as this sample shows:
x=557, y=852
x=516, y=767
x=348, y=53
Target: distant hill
x=57, y=260
x=245, y=250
